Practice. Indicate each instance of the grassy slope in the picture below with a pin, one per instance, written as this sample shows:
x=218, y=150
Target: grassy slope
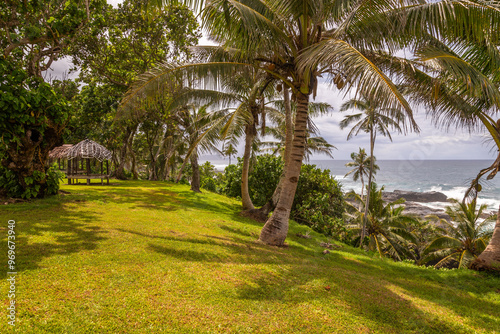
x=145, y=257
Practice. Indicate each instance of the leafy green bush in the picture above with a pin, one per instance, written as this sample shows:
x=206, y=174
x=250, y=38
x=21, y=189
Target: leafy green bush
x=230, y=183
x=262, y=180
x=319, y=202
x=54, y=177
x=12, y=187
x=264, y=177
x=208, y=179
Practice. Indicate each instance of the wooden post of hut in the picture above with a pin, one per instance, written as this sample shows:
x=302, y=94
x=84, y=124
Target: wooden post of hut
x=68, y=172
x=88, y=171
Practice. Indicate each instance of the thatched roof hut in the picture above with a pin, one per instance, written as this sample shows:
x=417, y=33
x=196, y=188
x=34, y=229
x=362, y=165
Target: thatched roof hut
x=88, y=149
x=60, y=152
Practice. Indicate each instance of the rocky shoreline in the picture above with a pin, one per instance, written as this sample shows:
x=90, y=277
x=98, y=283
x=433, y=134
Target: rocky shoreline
x=413, y=200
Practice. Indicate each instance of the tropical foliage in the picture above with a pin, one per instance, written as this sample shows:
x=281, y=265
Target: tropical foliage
x=466, y=236
x=387, y=226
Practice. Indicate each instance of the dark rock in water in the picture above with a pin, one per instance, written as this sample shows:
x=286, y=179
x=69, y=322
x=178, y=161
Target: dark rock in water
x=415, y=209
x=414, y=196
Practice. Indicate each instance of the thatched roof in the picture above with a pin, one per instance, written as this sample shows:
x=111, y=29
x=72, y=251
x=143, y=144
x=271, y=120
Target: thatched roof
x=60, y=152
x=88, y=149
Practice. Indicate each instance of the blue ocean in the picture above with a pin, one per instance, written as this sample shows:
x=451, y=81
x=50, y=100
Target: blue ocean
x=450, y=177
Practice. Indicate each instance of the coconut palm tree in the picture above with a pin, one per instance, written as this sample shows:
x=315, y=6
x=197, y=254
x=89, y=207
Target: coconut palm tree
x=466, y=237
x=361, y=163
x=243, y=101
x=296, y=41
x=455, y=76
x=372, y=119
x=229, y=150
x=194, y=122
x=278, y=129
x=387, y=226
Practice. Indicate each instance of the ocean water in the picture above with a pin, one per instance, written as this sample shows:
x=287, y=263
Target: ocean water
x=450, y=177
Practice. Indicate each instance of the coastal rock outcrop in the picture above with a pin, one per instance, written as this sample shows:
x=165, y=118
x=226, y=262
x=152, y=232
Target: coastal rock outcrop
x=414, y=196
x=421, y=211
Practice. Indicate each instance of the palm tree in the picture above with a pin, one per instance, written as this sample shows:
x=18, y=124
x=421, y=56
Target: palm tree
x=247, y=90
x=361, y=163
x=278, y=129
x=296, y=41
x=387, y=226
x=372, y=119
x=466, y=236
x=456, y=77
x=194, y=121
x=283, y=118
x=229, y=150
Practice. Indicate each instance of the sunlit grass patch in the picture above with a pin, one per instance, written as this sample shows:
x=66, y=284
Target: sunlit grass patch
x=153, y=257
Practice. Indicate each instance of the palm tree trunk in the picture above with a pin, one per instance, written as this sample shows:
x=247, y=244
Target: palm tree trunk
x=368, y=193
x=362, y=191
x=275, y=230
x=179, y=175
x=246, y=201
x=489, y=260
x=273, y=201
x=195, y=180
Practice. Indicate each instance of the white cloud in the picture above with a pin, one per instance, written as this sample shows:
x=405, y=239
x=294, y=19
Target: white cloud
x=432, y=143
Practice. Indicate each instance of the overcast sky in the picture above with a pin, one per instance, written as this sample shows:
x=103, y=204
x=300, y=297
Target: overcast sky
x=431, y=143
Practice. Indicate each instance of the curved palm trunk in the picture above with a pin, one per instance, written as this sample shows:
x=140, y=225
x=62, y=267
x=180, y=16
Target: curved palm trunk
x=273, y=201
x=195, y=181
x=489, y=260
x=370, y=180
x=179, y=175
x=246, y=201
x=275, y=230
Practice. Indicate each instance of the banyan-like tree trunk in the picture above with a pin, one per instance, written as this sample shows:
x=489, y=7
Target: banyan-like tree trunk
x=275, y=230
x=33, y=155
x=246, y=201
x=195, y=180
x=127, y=144
x=489, y=260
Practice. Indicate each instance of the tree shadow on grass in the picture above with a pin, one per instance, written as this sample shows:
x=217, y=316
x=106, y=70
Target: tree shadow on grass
x=371, y=293
x=60, y=229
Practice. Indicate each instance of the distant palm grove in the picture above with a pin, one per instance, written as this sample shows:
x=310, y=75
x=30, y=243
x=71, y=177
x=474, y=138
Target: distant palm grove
x=142, y=86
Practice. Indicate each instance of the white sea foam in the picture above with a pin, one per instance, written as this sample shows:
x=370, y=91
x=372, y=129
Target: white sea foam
x=458, y=193
x=220, y=167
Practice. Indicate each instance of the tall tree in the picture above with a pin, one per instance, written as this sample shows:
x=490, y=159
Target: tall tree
x=455, y=75
x=124, y=42
x=361, y=163
x=373, y=119
x=34, y=34
x=295, y=41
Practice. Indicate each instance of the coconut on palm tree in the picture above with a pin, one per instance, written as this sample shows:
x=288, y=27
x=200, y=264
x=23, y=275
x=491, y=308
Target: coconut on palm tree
x=466, y=237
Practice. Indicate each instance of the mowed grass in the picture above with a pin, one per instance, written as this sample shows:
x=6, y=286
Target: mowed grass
x=154, y=257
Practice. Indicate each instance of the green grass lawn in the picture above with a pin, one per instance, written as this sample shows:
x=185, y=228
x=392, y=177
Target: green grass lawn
x=154, y=257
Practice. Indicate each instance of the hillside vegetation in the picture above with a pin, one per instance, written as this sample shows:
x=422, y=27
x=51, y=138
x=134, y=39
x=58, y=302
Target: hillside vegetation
x=154, y=257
